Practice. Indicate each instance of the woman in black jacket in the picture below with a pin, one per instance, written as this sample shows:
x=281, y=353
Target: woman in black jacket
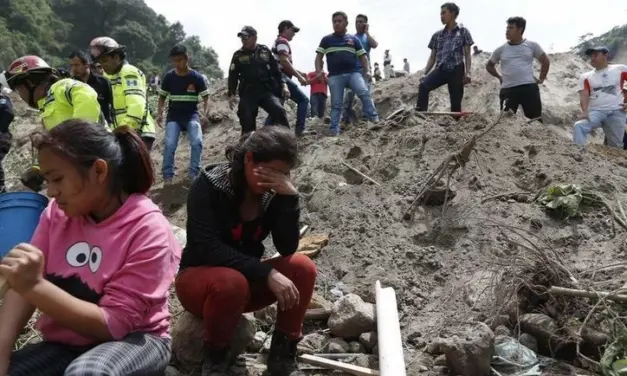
x=232, y=208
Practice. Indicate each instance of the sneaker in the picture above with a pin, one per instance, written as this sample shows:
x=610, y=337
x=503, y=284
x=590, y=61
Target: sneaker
x=282, y=356
x=332, y=132
x=216, y=362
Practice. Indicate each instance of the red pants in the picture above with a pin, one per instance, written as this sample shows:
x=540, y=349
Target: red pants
x=220, y=295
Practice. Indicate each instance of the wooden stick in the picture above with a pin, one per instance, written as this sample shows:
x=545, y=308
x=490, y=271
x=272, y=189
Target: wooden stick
x=317, y=314
x=335, y=365
x=563, y=291
x=445, y=113
x=339, y=356
x=304, y=230
x=361, y=173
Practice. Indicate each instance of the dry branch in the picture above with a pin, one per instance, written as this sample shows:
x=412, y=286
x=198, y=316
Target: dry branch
x=450, y=164
x=361, y=173
x=562, y=291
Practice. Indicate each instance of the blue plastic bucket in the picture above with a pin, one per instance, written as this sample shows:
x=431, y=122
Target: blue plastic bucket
x=19, y=216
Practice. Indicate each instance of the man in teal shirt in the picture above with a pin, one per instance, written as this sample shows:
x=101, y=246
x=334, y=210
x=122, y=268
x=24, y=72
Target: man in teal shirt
x=368, y=42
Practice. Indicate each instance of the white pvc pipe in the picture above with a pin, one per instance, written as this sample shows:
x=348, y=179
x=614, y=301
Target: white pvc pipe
x=391, y=358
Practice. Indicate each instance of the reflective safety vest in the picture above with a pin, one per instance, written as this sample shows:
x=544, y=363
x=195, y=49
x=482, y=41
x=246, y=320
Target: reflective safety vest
x=69, y=99
x=130, y=107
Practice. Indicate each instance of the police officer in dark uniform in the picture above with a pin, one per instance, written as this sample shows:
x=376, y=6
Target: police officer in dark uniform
x=255, y=72
x=6, y=117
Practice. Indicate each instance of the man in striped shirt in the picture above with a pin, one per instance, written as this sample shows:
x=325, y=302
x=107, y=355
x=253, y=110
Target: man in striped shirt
x=183, y=87
x=342, y=51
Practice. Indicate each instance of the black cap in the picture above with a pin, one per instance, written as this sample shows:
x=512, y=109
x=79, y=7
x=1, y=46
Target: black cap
x=247, y=31
x=603, y=49
x=286, y=25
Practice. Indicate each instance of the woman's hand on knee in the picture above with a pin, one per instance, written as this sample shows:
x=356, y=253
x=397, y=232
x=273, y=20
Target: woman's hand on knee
x=284, y=289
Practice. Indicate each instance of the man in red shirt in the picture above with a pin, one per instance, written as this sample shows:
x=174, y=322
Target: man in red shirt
x=318, y=94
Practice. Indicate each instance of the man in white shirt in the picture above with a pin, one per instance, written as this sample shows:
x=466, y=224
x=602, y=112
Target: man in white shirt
x=387, y=65
x=406, y=65
x=519, y=85
x=601, y=99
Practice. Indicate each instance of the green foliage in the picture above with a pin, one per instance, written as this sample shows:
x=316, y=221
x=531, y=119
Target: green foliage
x=54, y=28
x=615, y=40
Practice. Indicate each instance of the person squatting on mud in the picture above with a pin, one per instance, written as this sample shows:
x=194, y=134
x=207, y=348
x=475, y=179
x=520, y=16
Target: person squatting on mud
x=99, y=265
x=6, y=117
x=254, y=74
x=57, y=99
x=232, y=208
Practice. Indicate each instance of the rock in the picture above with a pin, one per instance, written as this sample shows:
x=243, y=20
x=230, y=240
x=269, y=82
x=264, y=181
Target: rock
x=180, y=235
x=368, y=340
x=318, y=301
x=539, y=325
x=171, y=371
x=266, y=317
x=437, y=196
x=440, y=370
x=502, y=331
x=440, y=360
x=469, y=351
x=338, y=346
x=529, y=341
x=435, y=346
x=313, y=343
x=188, y=343
x=367, y=361
x=498, y=320
x=356, y=348
x=351, y=316
x=375, y=350
x=258, y=340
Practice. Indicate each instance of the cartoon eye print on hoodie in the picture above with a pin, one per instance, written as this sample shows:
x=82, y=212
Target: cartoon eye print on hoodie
x=81, y=254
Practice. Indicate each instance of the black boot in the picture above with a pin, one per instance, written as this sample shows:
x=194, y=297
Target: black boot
x=216, y=362
x=282, y=356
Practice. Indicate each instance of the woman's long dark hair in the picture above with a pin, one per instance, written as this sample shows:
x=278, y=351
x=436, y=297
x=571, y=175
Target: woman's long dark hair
x=270, y=143
x=83, y=142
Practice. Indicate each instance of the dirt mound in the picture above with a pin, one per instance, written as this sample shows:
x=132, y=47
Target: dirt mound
x=442, y=263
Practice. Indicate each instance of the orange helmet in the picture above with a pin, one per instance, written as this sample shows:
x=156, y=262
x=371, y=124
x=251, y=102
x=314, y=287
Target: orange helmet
x=103, y=46
x=24, y=67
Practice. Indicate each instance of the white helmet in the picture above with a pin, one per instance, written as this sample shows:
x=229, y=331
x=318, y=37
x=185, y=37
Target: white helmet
x=3, y=80
x=4, y=85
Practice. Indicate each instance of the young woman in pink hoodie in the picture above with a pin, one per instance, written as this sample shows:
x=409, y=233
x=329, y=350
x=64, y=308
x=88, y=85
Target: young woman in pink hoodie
x=99, y=265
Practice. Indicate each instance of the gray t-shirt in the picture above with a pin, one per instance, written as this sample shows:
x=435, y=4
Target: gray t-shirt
x=517, y=62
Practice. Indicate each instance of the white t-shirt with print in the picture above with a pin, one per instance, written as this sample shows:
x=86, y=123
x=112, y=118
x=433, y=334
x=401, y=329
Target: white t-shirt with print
x=605, y=87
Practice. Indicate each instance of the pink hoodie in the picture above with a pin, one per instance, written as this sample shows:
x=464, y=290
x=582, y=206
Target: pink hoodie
x=124, y=264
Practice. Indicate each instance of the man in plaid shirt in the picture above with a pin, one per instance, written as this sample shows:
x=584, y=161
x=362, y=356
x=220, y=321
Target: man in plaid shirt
x=450, y=54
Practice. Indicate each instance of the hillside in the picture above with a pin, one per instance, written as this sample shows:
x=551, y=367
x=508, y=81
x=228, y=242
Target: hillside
x=615, y=40
x=488, y=255
x=54, y=28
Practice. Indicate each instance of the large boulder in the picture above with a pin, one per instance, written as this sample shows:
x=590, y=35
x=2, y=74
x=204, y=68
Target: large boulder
x=469, y=350
x=351, y=316
x=188, y=342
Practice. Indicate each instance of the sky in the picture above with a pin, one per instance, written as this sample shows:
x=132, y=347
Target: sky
x=402, y=26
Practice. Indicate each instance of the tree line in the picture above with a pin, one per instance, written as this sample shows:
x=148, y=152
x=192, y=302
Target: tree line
x=53, y=29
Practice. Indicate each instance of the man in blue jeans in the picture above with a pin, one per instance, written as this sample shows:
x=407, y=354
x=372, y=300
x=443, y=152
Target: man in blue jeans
x=342, y=51
x=183, y=87
x=368, y=42
x=283, y=54
x=601, y=99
